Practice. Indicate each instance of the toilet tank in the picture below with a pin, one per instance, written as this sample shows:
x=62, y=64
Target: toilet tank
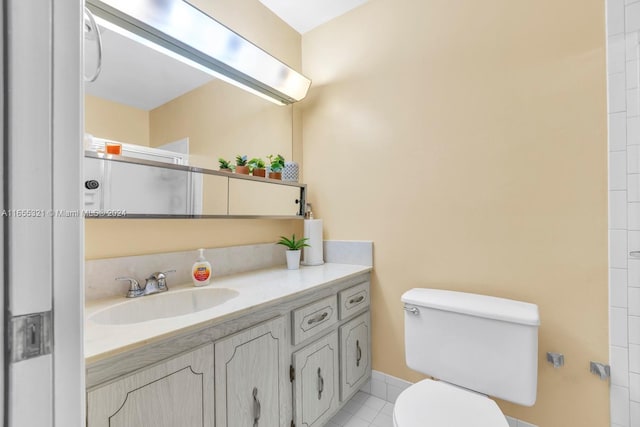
x=478, y=342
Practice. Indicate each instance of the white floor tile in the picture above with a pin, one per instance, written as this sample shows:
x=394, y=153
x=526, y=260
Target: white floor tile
x=352, y=407
x=393, y=392
x=357, y=422
x=379, y=387
x=366, y=413
x=341, y=417
x=383, y=420
x=387, y=408
x=374, y=403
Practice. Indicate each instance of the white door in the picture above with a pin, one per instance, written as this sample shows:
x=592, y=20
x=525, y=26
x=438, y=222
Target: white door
x=43, y=248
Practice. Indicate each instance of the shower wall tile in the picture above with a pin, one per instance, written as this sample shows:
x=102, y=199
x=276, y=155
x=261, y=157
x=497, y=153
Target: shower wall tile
x=619, y=361
x=634, y=387
x=618, y=210
x=618, y=170
x=631, y=46
x=617, y=132
x=633, y=188
x=633, y=273
x=633, y=159
x=619, y=399
x=632, y=103
x=632, y=74
x=615, y=16
x=633, y=131
x=634, y=358
x=632, y=17
x=633, y=216
x=635, y=413
x=618, y=249
x=618, y=291
x=634, y=329
x=616, y=49
x=617, y=92
x=633, y=301
x=618, y=327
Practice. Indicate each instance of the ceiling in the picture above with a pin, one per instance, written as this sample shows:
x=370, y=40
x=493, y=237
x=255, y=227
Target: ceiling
x=305, y=15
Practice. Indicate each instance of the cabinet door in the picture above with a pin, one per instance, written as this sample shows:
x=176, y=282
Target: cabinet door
x=355, y=350
x=178, y=392
x=251, y=377
x=316, y=382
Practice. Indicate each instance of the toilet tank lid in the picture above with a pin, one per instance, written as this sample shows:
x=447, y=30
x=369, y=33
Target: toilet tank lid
x=489, y=307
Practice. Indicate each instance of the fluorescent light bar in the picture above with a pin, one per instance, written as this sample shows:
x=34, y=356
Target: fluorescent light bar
x=195, y=37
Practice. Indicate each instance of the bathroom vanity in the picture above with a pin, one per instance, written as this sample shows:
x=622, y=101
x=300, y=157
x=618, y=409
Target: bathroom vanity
x=289, y=348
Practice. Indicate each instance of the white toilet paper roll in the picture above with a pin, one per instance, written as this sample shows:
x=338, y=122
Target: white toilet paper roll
x=313, y=255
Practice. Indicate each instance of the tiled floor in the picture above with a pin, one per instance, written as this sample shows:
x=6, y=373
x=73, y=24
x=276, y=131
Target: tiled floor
x=364, y=410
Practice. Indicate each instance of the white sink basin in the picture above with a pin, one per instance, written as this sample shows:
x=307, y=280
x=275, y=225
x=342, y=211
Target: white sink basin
x=164, y=305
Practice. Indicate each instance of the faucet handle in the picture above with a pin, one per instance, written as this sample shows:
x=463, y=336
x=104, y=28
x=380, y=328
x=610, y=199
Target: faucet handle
x=134, y=287
x=161, y=277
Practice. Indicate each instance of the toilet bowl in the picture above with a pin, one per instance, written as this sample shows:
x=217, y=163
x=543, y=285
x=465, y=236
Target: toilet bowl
x=476, y=346
x=430, y=403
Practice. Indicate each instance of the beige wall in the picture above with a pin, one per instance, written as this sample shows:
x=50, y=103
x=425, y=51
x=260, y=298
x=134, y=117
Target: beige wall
x=112, y=120
x=111, y=238
x=468, y=140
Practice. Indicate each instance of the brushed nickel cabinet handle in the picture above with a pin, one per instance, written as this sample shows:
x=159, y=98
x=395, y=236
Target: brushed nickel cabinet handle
x=317, y=319
x=256, y=407
x=356, y=300
x=320, y=384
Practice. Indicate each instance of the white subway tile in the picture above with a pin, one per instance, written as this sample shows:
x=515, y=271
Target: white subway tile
x=634, y=358
x=618, y=335
x=619, y=359
x=633, y=188
x=633, y=273
x=633, y=106
x=633, y=131
x=633, y=159
x=618, y=170
x=397, y=382
x=633, y=301
x=631, y=71
x=615, y=16
x=618, y=210
x=632, y=17
x=634, y=329
x=635, y=413
x=633, y=216
x=633, y=240
x=619, y=400
x=617, y=92
x=618, y=248
x=616, y=61
x=631, y=74
x=617, y=132
x=631, y=43
x=634, y=387
x=618, y=291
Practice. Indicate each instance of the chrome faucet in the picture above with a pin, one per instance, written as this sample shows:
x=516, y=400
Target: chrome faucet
x=154, y=284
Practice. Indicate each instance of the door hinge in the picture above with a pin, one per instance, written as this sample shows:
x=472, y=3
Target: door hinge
x=292, y=374
x=30, y=336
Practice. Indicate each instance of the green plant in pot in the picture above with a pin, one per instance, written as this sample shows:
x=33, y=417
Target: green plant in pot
x=257, y=166
x=225, y=165
x=294, y=249
x=276, y=164
x=241, y=165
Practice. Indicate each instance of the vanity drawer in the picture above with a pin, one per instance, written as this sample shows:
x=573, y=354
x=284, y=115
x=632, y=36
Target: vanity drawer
x=353, y=300
x=313, y=318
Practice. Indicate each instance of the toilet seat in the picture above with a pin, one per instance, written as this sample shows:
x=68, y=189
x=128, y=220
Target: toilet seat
x=430, y=403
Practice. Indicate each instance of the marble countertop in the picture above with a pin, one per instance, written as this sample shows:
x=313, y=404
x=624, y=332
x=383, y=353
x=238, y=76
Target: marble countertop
x=255, y=289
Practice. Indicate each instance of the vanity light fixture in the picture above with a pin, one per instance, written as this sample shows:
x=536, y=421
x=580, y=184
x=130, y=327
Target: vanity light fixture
x=194, y=37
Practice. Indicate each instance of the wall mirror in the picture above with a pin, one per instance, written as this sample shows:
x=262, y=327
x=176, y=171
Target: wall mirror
x=149, y=95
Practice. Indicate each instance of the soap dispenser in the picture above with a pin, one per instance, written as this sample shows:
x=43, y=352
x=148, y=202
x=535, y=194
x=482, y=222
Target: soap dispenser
x=201, y=271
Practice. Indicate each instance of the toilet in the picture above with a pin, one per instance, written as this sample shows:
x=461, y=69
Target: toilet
x=475, y=346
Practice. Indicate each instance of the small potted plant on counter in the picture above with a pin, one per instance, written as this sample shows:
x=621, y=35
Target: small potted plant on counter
x=294, y=248
x=257, y=167
x=225, y=165
x=276, y=164
x=241, y=165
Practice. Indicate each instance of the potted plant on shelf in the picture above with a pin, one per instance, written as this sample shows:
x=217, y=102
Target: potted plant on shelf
x=294, y=248
x=257, y=167
x=241, y=165
x=225, y=165
x=276, y=164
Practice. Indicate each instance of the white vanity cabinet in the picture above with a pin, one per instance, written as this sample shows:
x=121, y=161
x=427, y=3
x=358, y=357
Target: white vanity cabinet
x=177, y=392
x=251, y=377
x=315, y=378
x=292, y=363
x=355, y=360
